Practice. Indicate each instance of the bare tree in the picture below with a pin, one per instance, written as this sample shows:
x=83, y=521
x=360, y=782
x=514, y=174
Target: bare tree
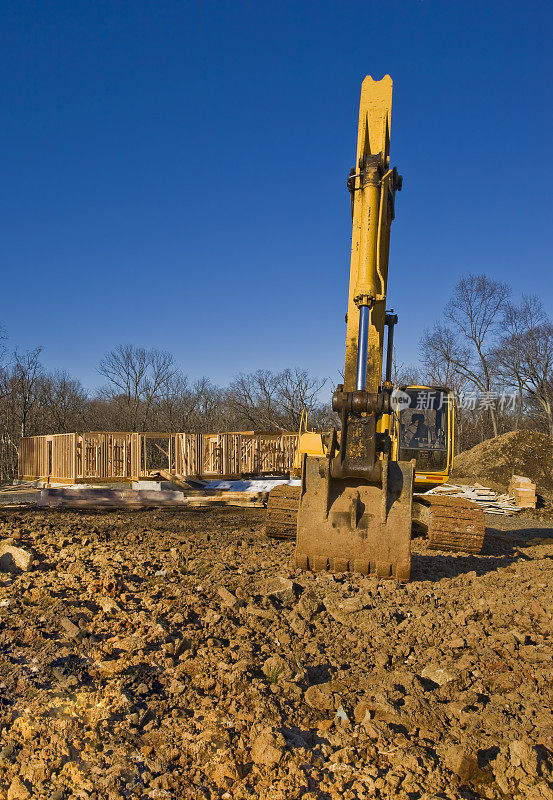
x=520, y=324
x=466, y=343
x=24, y=383
x=160, y=371
x=537, y=349
x=404, y=374
x=194, y=408
x=64, y=403
x=3, y=347
x=268, y=401
x=296, y=390
x=254, y=400
x=137, y=378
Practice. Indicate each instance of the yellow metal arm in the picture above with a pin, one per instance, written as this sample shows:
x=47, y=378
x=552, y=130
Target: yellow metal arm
x=372, y=185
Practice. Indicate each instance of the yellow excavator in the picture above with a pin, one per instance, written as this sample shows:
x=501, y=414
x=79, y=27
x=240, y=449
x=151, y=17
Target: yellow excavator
x=357, y=504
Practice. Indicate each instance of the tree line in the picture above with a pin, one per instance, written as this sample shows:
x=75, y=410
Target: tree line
x=495, y=354
x=144, y=390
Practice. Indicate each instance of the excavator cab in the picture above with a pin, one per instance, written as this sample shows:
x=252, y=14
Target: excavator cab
x=423, y=431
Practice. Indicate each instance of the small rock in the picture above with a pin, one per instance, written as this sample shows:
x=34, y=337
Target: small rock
x=7, y=750
x=13, y=559
x=321, y=697
x=264, y=613
x=437, y=674
x=284, y=590
x=267, y=748
x=307, y=606
x=176, y=687
x=130, y=644
x=341, y=715
x=522, y=755
x=276, y=668
x=228, y=599
x=546, y=737
x=362, y=712
x=108, y=605
x=17, y=790
x=465, y=766
x=298, y=625
x=352, y=604
x=72, y=630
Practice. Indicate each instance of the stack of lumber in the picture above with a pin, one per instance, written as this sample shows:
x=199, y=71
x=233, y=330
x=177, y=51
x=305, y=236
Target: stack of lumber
x=489, y=501
x=523, y=491
x=241, y=499
x=77, y=497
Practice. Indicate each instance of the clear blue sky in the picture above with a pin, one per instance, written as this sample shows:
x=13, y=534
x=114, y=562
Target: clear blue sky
x=173, y=173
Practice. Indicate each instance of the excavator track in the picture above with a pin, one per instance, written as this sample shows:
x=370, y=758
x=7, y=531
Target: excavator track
x=451, y=523
x=282, y=512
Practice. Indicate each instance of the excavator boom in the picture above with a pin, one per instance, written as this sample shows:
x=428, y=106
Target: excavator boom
x=372, y=208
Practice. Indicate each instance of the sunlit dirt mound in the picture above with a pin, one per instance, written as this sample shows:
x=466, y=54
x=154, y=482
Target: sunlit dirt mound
x=521, y=452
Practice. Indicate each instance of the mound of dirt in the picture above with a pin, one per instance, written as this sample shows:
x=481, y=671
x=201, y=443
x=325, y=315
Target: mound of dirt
x=493, y=461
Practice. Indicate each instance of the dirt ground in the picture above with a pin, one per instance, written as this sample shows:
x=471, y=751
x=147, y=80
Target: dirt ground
x=177, y=654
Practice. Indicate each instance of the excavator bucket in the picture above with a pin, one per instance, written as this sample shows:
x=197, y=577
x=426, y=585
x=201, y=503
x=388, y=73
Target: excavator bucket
x=349, y=525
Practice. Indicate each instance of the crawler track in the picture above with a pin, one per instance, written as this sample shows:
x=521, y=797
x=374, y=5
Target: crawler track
x=451, y=523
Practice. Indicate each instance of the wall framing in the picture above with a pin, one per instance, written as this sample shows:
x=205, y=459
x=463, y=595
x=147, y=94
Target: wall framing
x=112, y=456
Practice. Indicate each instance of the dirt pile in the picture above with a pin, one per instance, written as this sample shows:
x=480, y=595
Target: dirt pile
x=527, y=453
x=177, y=655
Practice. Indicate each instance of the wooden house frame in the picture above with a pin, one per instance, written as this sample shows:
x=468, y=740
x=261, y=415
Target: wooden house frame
x=112, y=456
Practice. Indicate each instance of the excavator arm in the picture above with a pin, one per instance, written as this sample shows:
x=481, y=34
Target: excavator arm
x=372, y=185
x=355, y=501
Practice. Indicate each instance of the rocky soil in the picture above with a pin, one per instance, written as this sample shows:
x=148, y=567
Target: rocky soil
x=177, y=654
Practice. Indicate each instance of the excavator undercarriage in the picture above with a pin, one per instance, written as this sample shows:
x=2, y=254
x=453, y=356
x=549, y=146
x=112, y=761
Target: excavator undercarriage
x=450, y=523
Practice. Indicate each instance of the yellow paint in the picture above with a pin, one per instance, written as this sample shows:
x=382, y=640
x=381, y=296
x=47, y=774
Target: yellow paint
x=309, y=442
x=369, y=250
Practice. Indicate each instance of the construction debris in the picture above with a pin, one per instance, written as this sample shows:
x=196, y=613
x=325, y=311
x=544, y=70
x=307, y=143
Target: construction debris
x=14, y=559
x=240, y=499
x=489, y=501
x=76, y=497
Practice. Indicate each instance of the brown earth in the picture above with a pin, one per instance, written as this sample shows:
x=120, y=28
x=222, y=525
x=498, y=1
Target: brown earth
x=493, y=462
x=177, y=654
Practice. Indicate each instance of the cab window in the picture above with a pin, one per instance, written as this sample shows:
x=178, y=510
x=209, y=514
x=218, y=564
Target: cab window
x=423, y=431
